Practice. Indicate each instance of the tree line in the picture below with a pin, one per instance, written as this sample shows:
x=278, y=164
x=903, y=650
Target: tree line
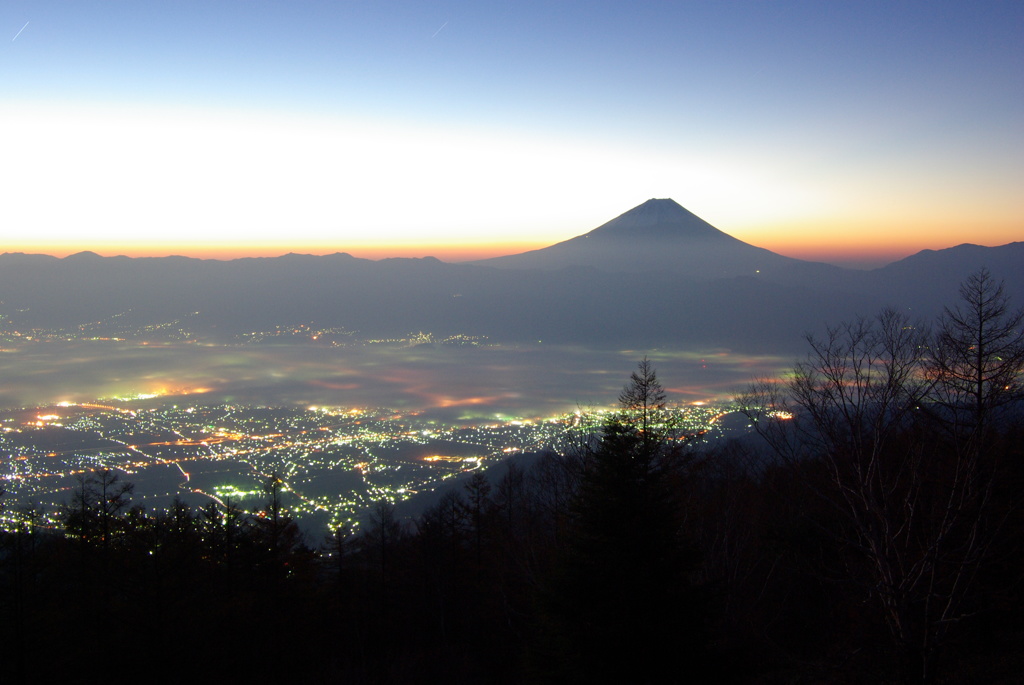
x=871, y=533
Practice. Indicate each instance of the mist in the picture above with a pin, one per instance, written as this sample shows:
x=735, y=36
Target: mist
x=454, y=383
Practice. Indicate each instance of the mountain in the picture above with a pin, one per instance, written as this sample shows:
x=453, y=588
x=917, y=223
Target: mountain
x=658, y=236
x=700, y=289
x=930, y=279
x=955, y=264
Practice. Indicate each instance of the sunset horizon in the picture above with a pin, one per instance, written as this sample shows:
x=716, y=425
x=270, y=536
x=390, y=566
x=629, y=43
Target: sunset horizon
x=848, y=246
x=847, y=134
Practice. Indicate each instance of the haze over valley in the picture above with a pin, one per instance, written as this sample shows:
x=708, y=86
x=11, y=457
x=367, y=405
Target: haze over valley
x=535, y=336
x=531, y=337
x=532, y=333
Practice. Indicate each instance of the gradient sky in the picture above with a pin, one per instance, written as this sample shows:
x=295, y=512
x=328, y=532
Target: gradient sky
x=855, y=132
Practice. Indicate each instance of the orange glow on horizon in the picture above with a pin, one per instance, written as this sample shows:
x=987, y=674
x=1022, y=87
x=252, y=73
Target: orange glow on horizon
x=851, y=241
x=873, y=241
x=446, y=253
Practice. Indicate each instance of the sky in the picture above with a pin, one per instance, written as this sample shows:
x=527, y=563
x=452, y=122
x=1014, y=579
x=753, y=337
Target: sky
x=851, y=132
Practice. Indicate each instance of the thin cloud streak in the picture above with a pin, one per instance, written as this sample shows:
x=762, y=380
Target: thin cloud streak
x=19, y=32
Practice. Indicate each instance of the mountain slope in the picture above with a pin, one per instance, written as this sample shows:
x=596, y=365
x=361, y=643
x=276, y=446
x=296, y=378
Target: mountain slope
x=658, y=235
x=699, y=289
x=930, y=279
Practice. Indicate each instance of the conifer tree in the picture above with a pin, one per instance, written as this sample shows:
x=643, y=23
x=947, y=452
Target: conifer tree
x=625, y=604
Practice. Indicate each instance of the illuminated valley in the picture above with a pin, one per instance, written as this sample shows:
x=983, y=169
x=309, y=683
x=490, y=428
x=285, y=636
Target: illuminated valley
x=335, y=463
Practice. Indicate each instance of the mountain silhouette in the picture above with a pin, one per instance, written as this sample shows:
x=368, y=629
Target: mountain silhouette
x=700, y=288
x=658, y=235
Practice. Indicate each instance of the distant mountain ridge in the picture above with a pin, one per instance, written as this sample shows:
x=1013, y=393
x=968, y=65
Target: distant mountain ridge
x=701, y=288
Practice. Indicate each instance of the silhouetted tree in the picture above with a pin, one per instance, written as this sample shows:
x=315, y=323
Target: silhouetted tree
x=96, y=504
x=338, y=547
x=642, y=406
x=380, y=540
x=624, y=602
x=555, y=484
x=478, y=491
x=977, y=360
x=510, y=498
x=914, y=514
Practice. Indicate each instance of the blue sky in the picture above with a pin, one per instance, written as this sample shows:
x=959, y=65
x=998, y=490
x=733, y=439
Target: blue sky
x=853, y=132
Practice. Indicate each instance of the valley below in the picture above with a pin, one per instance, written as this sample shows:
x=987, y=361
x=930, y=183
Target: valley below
x=343, y=427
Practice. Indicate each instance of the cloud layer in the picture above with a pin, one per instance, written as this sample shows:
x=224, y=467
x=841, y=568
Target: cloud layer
x=453, y=383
